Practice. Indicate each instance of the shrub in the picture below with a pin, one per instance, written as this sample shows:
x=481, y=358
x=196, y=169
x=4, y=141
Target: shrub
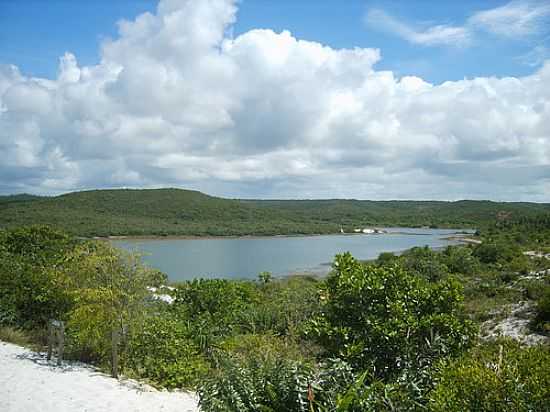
x=244, y=346
x=379, y=397
x=14, y=335
x=261, y=382
x=459, y=259
x=163, y=351
x=271, y=382
x=219, y=298
x=543, y=310
x=386, y=258
x=112, y=295
x=498, y=376
x=283, y=306
x=33, y=285
x=385, y=320
x=424, y=262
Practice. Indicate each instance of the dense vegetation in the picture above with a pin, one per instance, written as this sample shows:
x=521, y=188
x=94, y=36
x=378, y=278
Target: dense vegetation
x=397, y=333
x=525, y=231
x=182, y=212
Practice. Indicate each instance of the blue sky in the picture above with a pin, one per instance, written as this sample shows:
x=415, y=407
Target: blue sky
x=363, y=99
x=35, y=33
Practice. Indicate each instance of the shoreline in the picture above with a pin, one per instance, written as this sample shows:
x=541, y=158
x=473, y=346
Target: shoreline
x=322, y=270
x=457, y=235
x=464, y=239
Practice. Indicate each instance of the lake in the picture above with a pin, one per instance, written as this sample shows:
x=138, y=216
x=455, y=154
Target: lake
x=244, y=258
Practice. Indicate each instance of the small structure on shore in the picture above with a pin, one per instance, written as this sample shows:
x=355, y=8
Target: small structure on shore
x=369, y=231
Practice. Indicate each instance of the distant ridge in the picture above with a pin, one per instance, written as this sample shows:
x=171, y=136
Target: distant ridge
x=178, y=212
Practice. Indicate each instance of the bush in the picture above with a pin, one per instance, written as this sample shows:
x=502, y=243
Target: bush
x=283, y=306
x=379, y=397
x=385, y=320
x=33, y=284
x=262, y=382
x=424, y=262
x=543, y=310
x=244, y=346
x=217, y=299
x=110, y=294
x=271, y=382
x=499, y=376
x=163, y=351
x=459, y=259
x=14, y=335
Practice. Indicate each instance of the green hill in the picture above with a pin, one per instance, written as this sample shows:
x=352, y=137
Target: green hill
x=184, y=212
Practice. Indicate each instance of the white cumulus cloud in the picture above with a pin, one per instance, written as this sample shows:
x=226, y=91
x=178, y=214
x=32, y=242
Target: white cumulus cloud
x=175, y=102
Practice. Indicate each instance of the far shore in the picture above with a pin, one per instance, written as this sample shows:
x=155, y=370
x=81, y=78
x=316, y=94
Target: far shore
x=455, y=236
x=464, y=239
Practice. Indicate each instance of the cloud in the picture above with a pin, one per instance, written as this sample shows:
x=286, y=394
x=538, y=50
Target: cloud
x=517, y=19
x=174, y=102
x=514, y=19
x=536, y=56
x=436, y=35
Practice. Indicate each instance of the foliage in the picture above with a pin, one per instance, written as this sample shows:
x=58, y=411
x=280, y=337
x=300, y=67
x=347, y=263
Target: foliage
x=14, y=335
x=257, y=383
x=542, y=319
x=273, y=382
x=378, y=336
x=164, y=212
x=460, y=260
x=265, y=277
x=284, y=306
x=215, y=307
x=163, y=350
x=215, y=297
x=112, y=295
x=523, y=230
x=424, y=262
x=503, y=255
x=379, y=396
x=385, y=320
x=498, y=376
x=33, y=284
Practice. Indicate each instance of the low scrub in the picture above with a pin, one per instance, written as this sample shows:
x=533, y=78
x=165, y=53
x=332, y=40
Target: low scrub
x=499, y=376
x=14, y=335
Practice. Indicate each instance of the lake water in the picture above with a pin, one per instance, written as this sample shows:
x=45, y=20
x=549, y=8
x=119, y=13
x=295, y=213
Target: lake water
x=236, y=258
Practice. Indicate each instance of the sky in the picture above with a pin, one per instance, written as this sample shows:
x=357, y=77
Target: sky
x=277, y=99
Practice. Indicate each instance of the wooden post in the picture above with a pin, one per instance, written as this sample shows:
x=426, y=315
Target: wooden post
x=56, y=339
x=50, y=339
x=114, y=363
x=60, y=342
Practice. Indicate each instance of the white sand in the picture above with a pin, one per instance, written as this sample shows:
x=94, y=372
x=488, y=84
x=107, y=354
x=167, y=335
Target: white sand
x=515, y=325
x=29, y=383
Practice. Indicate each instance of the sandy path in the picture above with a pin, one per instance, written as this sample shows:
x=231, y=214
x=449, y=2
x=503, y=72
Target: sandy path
x=29, y=383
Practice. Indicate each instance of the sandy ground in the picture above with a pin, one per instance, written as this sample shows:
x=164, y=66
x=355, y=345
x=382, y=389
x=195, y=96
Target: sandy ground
x=29, y=383
x=515, y=325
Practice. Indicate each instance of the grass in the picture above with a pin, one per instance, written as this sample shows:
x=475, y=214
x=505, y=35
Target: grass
x=14, y=335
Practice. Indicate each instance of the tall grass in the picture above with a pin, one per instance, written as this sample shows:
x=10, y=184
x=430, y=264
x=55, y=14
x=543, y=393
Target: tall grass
x=14, y=335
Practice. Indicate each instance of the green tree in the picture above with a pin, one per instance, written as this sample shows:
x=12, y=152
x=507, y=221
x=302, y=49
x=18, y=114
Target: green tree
x=384, y=320
x=112, y=294
x=33, y=284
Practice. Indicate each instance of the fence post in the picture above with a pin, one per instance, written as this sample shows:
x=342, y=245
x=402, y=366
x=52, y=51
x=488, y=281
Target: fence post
x=50, y=339
x=114, y=342
x=60, y=342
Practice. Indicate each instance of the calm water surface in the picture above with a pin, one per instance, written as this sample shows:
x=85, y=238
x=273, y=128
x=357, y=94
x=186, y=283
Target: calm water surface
x=184, y=259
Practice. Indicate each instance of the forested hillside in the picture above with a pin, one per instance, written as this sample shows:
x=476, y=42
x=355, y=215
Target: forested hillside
x=183, y=212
